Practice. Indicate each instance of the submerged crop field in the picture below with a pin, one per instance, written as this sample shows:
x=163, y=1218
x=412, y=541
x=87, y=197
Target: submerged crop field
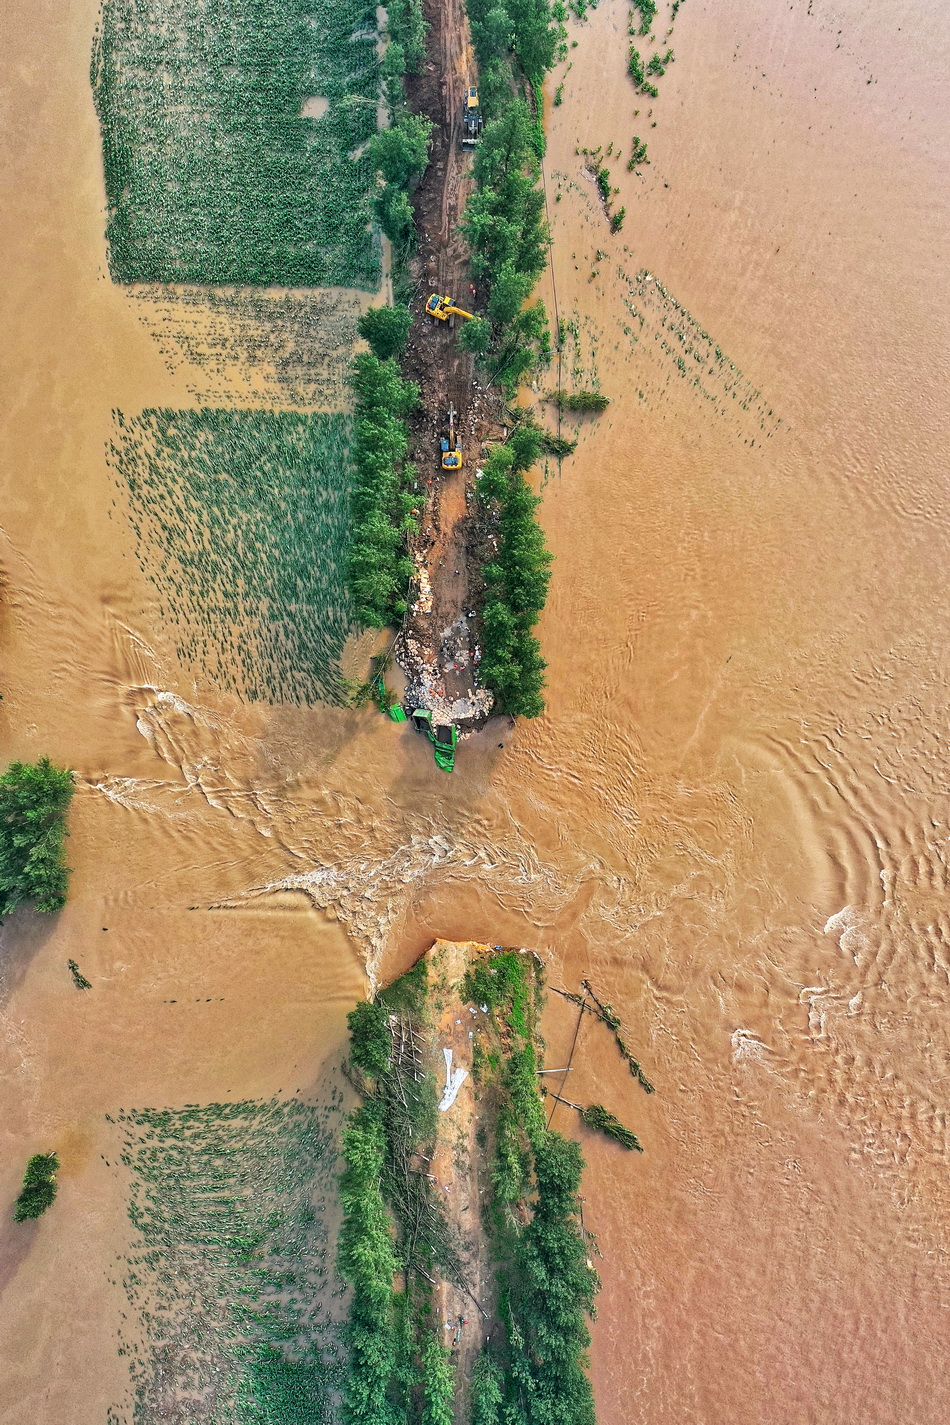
x=230, y=1277
x=242, y=524
x=213, y=172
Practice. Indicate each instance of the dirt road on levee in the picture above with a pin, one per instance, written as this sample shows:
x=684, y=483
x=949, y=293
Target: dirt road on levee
x=439, y=649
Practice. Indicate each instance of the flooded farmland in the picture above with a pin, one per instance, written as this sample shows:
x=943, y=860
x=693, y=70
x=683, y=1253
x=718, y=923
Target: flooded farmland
x=733, y=818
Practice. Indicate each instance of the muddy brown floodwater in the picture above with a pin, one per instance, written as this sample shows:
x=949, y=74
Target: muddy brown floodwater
x=734, y=817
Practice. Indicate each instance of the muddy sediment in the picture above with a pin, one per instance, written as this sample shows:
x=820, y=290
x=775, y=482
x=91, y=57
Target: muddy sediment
x=733, y=816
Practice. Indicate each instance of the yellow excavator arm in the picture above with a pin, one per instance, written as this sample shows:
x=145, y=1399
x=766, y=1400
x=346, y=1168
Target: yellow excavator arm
x=443, y=307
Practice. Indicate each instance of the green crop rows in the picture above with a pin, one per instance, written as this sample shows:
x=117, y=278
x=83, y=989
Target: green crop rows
x=242, y=524
x=212, y=173
x=230, y=1277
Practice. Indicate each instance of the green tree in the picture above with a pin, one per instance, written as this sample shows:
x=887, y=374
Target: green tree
x=401, y=153
x=487, y=1393
x=381, y=500
x=525, y=444
x=386, y=329
x=475, y=336
x=553, y=1294
x=394, y=215
x=408, y=28
x=39, y=1187
x=535, y=36
x=517, y=579
x=510, y=290
x=367, y=1262
x=438, y=1383
x=370, y=1039
x=34, y=799
x=494, y=34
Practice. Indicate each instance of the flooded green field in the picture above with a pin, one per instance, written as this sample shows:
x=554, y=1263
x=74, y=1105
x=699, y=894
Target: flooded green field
x=231, y=1278
x=216, y=168
x=241, y=523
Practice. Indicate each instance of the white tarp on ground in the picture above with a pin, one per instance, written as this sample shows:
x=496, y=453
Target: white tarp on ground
x=454, y=1079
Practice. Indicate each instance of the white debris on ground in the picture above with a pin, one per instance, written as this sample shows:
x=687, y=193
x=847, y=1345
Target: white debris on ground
x=423, y=603
x=427, y=689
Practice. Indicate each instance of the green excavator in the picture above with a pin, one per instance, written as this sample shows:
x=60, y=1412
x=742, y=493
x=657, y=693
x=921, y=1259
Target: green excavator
x=443, y=736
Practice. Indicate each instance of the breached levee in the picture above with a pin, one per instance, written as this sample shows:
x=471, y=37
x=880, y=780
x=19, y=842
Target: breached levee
x=462, y=1240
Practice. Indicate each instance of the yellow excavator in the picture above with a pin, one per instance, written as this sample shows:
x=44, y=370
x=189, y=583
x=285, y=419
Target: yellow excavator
x=472, y=121
x=444, y=308
x=451, y=454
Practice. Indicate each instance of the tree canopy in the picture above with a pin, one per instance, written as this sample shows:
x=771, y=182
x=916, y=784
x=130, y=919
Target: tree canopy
x=34, y=798
x=386, y=329
x=39, y=1187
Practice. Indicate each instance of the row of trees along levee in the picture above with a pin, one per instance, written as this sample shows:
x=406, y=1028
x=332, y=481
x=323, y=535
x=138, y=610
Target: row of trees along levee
x=504, y=226
x=516, y=1351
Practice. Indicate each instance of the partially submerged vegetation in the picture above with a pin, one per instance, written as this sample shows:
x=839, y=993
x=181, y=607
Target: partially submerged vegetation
x=526, y=1272
x=580, y=400
x=229, y=1273
x=79, y=979
x=242, y=522
x=39, y=1187
x=213, y=172
x=596, y=1116
x=641, y=70
x=34, y=800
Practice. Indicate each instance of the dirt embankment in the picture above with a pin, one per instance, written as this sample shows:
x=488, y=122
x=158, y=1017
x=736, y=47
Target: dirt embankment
x=440, y=646
x=465, y=1313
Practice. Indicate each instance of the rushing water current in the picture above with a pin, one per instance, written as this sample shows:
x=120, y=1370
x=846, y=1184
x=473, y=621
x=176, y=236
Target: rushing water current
x=734, y=818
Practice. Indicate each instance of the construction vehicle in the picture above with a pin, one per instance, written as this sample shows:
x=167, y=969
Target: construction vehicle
x=451, y=454
x=472, y=121
x=445, y=310
x=444, y=737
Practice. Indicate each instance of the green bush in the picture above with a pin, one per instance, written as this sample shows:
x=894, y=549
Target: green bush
x=39, y=1187
x=34, y=799
x=407, y=994
x=370, y=1039
x=386, y=329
